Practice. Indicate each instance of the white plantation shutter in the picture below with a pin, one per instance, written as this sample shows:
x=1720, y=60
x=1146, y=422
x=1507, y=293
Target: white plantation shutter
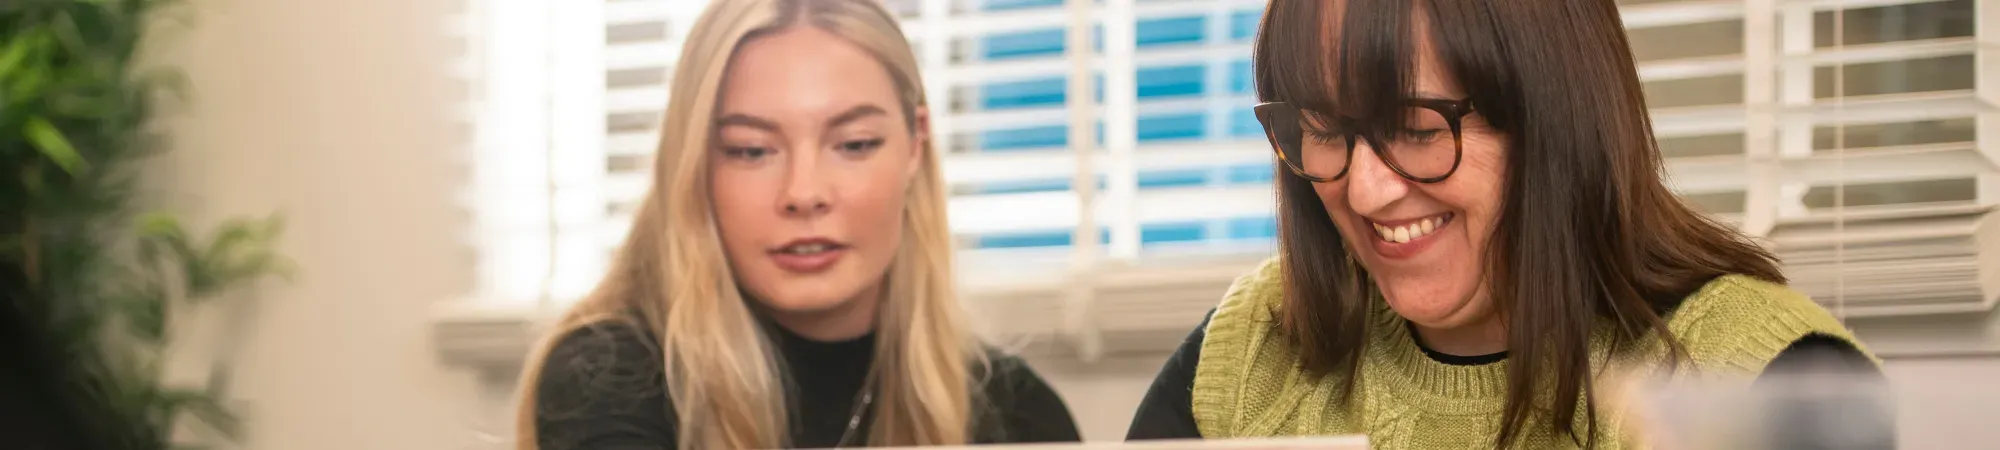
x=1863, y=150
x=1103, y=222
x=1744, y=102
x=1855, y=136
x=1887, y=133
x=642, y=45
x=525, y=190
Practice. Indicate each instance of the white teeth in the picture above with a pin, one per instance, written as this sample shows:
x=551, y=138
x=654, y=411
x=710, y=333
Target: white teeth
x=805, y=249
x=1412, y=231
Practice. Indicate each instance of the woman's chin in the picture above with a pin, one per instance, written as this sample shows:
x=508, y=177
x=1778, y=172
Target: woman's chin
x=1424, y=304
x=804, y=303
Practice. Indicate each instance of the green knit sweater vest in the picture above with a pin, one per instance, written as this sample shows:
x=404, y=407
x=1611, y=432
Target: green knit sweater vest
x=1248, y=382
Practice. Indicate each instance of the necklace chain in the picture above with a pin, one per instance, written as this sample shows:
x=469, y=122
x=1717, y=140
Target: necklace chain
x=864, y=398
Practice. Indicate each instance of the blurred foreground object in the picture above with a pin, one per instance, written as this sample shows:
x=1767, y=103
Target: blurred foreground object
x=1355, y=442
x=90, y=285
x=1823, y=408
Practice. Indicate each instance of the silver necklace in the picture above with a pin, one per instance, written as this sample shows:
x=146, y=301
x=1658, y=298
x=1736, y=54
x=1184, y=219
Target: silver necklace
x=866, y=398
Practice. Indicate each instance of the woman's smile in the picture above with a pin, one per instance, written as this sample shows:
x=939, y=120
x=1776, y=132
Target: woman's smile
x=1407, y=238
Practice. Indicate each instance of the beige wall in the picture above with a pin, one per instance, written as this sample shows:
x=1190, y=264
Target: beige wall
x=335, y=114
x=1950, y=403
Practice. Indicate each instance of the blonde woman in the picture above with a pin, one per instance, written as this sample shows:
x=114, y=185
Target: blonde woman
x=788, y=281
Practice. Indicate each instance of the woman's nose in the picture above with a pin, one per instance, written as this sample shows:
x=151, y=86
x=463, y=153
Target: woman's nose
x=1371, y=185
x=806, y=193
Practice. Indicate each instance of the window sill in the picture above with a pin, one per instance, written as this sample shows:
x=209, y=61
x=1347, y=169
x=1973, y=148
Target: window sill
x=490, y=339
x=494, y=340
x=1954, y=336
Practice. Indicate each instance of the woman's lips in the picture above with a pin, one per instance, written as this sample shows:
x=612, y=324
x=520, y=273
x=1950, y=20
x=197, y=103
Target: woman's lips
x=1407, y=238
x=808, y=255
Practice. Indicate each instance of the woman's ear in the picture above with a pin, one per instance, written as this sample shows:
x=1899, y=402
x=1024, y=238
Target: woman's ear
x=921, y=139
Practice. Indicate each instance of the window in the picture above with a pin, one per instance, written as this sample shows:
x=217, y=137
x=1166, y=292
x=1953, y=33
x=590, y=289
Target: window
x=566, y=108
x=1883, y=153
x=1857, y=137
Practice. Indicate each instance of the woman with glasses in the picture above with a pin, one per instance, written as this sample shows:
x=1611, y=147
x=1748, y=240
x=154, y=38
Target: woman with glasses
x=1475, y=240
x=788, y=278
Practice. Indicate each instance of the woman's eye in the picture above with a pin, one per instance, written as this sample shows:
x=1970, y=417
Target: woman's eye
x=860, y=145
x=1327, y=137
x=1424, y=135
x=746, y=153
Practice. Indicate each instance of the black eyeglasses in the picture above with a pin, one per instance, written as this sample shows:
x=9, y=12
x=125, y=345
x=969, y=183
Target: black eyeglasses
x=1426, y=150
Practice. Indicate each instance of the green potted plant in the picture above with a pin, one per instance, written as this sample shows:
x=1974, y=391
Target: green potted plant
x=91, y=281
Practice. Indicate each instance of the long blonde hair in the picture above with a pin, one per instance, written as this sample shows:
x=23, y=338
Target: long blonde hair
x=671, y=277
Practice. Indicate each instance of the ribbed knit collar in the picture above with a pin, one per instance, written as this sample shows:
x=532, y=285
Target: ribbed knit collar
x=1393, y=349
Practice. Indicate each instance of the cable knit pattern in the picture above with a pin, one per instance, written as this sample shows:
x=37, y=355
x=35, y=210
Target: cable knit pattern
x=1248, y=381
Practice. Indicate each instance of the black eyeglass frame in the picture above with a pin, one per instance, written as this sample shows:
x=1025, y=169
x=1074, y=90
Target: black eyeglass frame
x=1453, y=111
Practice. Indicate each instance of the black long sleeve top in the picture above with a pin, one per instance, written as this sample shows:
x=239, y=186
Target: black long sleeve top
x=604, y=388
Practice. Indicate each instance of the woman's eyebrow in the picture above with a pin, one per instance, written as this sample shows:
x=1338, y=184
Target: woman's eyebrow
x=856, y=113
x=746, y=120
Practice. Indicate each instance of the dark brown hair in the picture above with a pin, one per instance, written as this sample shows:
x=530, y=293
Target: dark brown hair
x=1587, y=232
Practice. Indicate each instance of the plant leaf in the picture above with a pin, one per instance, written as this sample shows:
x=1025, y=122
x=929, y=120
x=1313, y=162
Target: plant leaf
x=64, y=28
x=160, y=225
x=168, y=81
x=78, y=334
x=28, y=83
x=23, y=47
x=51, y=142
x=203, y=408
x=160, y=236
x=17, y=50
x=241, y=251
x=145, y=311
x=157, y=230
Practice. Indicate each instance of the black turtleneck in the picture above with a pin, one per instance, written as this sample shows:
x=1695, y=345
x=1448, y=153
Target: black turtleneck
x=602, y=387
x=826, y=381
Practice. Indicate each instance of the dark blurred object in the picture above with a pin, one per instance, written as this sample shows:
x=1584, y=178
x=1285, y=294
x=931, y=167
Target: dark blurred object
x=1819, y=397
x=89, y=285
x=1827, y=398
